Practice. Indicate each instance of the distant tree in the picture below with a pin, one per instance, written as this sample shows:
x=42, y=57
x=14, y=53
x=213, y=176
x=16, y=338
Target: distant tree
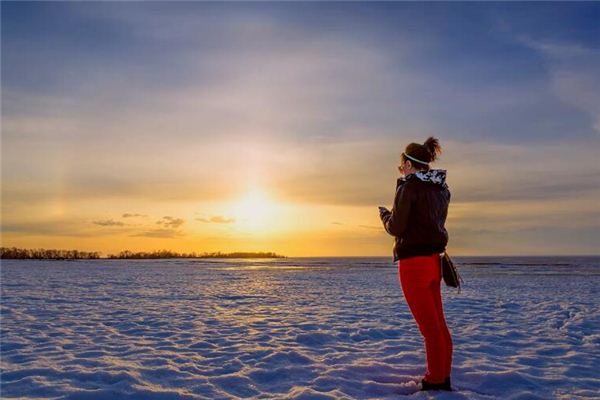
x=57, y=254
x=46, y=254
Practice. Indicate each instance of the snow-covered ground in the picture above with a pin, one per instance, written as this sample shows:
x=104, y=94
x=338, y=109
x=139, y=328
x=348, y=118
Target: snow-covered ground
x=302, y=328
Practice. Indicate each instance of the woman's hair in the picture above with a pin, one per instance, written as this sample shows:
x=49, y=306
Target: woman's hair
x=427, y=152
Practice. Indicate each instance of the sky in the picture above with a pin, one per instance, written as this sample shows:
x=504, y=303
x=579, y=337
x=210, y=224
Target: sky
x=278, y=126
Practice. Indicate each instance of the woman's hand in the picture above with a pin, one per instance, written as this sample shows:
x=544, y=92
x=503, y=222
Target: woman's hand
x=383, y=211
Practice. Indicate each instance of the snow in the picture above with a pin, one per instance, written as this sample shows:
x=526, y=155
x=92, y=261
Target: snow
x=297, y=328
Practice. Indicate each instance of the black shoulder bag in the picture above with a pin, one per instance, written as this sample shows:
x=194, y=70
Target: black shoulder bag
x=449, y=272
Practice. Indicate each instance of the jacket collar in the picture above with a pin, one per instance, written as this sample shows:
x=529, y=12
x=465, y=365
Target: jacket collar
x=435, y=176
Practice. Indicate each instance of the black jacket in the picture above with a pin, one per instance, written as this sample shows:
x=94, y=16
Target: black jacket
x=419, y=214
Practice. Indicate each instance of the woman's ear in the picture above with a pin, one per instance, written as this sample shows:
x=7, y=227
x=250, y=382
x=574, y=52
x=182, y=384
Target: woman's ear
x=409, y=164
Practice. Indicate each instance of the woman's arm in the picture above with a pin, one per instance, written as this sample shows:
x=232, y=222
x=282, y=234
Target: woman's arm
x=395, y=221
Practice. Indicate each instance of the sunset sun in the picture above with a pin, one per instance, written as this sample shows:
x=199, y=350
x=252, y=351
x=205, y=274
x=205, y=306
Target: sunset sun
x=255, y=210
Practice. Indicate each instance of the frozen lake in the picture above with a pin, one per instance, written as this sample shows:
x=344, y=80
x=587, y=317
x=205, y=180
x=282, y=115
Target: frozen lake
x=301, y=328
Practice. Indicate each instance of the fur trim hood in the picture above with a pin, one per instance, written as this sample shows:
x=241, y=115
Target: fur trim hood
x=435, y=176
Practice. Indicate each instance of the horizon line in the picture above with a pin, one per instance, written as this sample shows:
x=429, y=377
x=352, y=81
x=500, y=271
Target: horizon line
x=284, y=256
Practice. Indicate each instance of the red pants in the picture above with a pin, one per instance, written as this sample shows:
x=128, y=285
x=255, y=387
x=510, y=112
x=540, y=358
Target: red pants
x=420, y=278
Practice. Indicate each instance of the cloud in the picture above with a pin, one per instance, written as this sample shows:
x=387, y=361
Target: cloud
x=354, y=107
x=219, y=219
x=58, y=228
x=360, y=172
x=526, y=241
x=573, y=70
x=555, y=170
x=109, y=222
x=132, y=215
x=159, y=233
x=372, y=227
x=170, y=222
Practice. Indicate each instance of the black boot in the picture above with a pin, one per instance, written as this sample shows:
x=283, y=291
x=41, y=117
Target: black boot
x=436, y=386
x=447, y=385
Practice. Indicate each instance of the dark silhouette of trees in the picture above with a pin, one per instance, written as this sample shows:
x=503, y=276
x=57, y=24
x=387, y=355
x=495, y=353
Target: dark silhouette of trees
x=55, y=254
x=172, y=254
x=47, y=254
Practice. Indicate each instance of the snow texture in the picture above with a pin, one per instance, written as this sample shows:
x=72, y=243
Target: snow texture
x=296, y=328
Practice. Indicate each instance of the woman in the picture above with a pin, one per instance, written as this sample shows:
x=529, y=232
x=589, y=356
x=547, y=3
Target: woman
x=417, y=222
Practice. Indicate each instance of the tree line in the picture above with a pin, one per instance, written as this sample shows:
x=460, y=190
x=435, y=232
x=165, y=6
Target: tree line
x=47, y=254
x=56, y=254
x=173, y=254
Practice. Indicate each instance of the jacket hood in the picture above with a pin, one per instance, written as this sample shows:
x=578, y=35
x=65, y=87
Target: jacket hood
x=435, y=176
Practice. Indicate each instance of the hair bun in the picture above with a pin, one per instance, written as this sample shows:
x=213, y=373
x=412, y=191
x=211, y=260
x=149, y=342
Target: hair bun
x=433, y=147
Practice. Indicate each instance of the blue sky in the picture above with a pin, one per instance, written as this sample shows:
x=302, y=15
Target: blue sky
x=510, y=88
x=466, y=52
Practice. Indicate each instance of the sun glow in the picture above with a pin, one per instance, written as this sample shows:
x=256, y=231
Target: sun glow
x=255, y=211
